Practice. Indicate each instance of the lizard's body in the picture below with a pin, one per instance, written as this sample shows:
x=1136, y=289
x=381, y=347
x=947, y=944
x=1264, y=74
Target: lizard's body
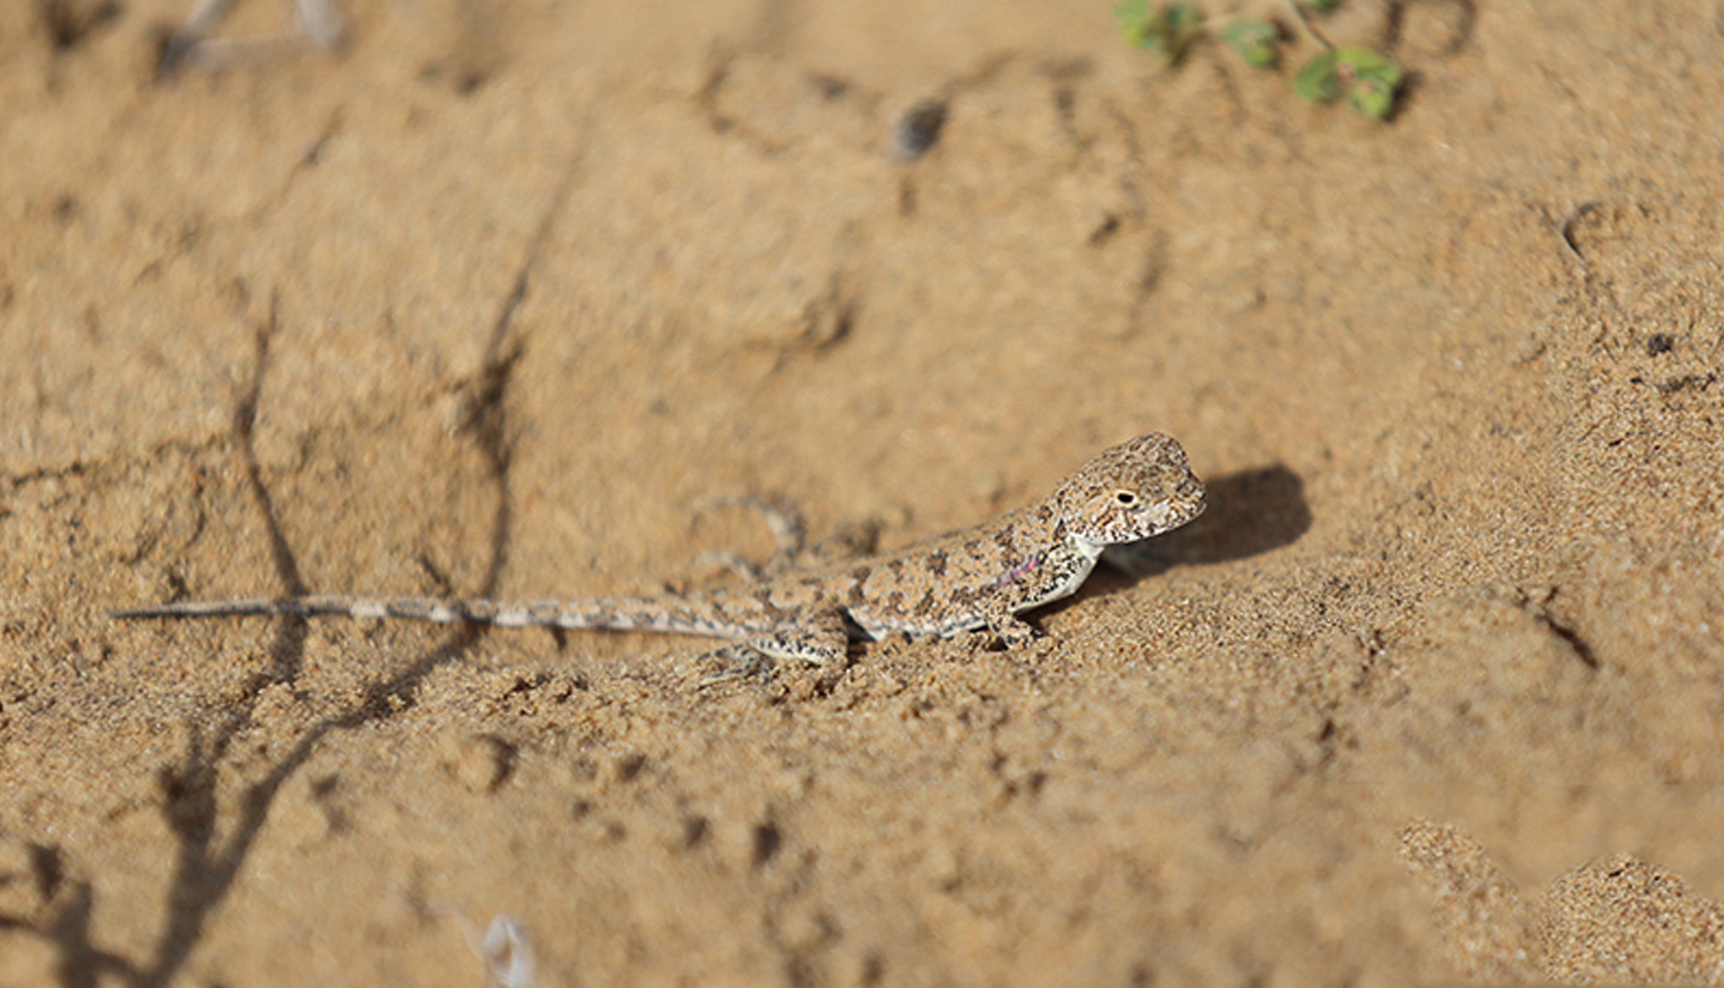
x=978, y=578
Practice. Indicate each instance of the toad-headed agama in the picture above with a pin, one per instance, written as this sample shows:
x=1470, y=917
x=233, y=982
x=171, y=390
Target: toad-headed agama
x=982, y=577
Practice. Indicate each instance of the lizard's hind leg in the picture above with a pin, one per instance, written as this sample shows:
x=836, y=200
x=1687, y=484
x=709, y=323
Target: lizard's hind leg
x=818, y=638
x=740, y=662
x=815, y=637
x=789, y=535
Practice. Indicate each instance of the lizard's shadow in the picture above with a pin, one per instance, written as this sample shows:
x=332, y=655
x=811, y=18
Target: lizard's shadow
x=1250, y=513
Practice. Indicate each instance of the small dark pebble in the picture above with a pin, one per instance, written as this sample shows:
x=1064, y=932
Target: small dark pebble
x=918, y=129
x=1659, y=343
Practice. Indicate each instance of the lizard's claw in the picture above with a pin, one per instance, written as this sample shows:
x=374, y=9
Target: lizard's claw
x=741, y=662
x=1013, y=633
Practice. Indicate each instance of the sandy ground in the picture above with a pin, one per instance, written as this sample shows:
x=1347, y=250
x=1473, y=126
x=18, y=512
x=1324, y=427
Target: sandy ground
x=494, y=300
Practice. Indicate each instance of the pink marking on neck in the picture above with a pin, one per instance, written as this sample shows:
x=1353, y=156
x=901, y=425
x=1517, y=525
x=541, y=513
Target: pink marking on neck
x=1017, y=571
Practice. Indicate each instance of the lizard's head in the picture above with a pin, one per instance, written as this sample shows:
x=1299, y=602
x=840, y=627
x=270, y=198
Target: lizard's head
x=1133, y=491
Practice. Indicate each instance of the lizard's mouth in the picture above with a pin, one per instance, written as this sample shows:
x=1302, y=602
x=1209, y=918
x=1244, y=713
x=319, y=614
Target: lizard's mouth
x=1177, y=513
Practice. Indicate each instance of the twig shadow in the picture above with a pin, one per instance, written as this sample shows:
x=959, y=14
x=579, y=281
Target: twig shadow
x=208, y=862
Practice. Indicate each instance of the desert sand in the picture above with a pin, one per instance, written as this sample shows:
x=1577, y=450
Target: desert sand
x=499, y=298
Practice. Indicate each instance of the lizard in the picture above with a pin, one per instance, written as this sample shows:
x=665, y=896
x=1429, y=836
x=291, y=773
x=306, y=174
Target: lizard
x=978, y=578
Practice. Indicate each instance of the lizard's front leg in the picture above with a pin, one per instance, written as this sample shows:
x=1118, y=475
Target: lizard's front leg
x=1039, y=580
x=1011, y=630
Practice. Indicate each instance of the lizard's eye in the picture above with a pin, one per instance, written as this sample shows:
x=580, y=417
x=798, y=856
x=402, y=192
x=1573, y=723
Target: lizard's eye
x=1125, y=498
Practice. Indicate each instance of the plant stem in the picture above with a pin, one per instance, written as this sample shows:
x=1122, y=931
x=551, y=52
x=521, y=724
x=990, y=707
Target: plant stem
x=1304, y=25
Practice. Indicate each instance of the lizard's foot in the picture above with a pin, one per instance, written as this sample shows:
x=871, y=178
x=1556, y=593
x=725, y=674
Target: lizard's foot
x=815, y=637
x=741, y=662
x=1012, y=633
x=792, y=550
x=852, y=542
x=782, y=517
x=739, y=567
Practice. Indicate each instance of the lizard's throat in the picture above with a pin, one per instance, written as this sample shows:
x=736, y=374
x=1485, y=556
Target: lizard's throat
x=1077, y=543
x=1089, y=550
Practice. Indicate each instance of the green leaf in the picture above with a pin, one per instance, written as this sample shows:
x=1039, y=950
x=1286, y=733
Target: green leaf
x=1181, y=23
x=1134, y=20
x=1367, y=61
x=1371, y=78
x=1167, y=30
x=1321, y=6
x=1371, y=98
x=1185, y=19
x=1320, y=80
x=1254, y=39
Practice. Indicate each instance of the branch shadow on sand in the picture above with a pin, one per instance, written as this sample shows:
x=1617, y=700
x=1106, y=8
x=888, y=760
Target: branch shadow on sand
x=212, y=847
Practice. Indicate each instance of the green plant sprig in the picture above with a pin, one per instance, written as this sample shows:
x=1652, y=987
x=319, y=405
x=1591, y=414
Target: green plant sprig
x=1369, y=79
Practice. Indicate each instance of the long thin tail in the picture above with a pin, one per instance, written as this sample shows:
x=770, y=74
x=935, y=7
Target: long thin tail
x=677, y=615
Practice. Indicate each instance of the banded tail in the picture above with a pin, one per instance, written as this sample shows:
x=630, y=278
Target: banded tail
x=674, y=615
